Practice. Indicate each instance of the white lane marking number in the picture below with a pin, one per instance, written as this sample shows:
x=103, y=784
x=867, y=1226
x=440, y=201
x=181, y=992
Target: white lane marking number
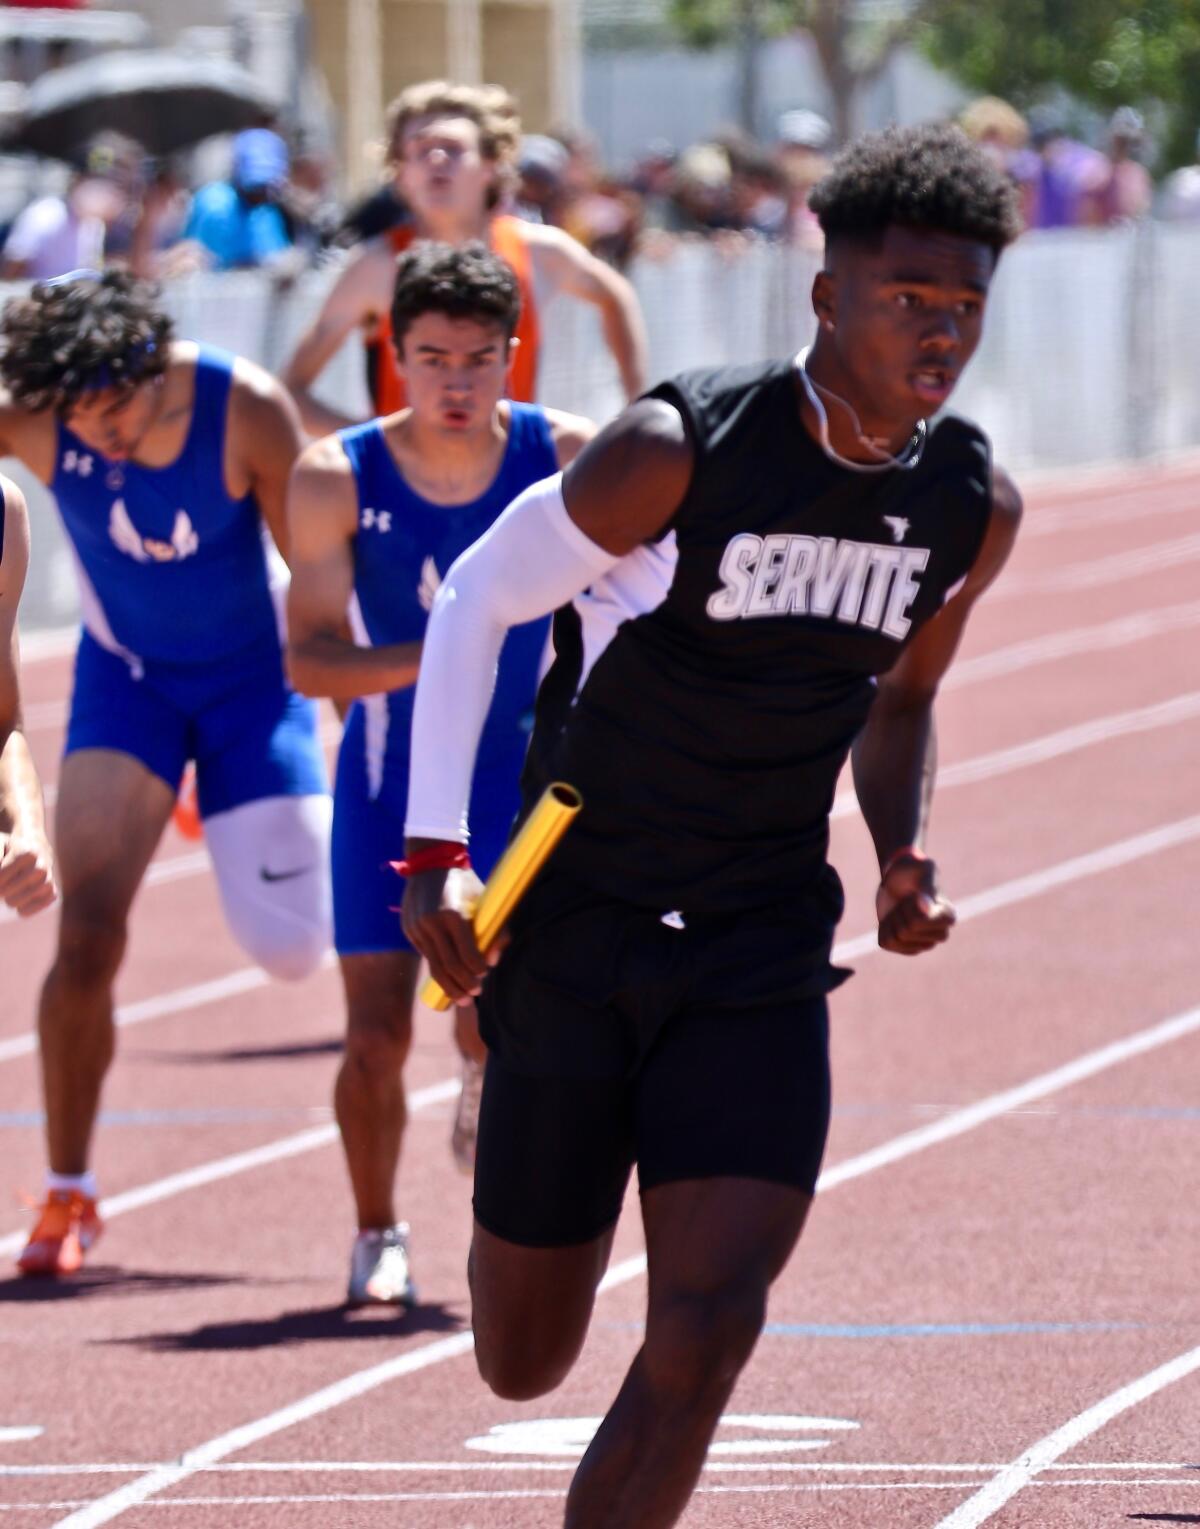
x=19, y=1435
x=557, y=1437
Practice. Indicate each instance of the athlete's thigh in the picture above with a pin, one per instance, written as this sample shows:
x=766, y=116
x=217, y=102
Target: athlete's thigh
x=271, y=860
x=256, y=740
x=380, y=987
x=110, y=815
x=262, y=790
x=115, y=710
x=552, y=1160
x=728, y=1092
x=530, y=1307
x=553, y=1157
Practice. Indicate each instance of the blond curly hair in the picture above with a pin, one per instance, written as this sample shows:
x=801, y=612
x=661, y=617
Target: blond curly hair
x=492, y=109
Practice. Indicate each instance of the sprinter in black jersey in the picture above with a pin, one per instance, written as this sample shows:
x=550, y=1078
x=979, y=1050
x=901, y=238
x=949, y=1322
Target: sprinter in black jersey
x=756, y=571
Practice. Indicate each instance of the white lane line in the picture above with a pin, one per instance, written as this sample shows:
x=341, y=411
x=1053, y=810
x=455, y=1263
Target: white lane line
x=1125, y=503
x=1049, y=879
x=1069, y=740
x=1115, y=568
x=239, y=1162
x=973, y=1115
x=171, y=868
x=758, y=1489
x=245, y=980
x=537, y=1467
x=1005, y=1486
x=1071, y=642
x=1119, y=724
x=103, y=1510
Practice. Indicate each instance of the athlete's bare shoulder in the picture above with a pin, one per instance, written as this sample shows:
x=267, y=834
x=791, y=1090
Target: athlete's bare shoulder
x=546, y=237
x=28, y=436
x=570, y=434
x=325, y=459
x=560, y=261
x=254, y=384
x=259, y=401
x=629, y=480
x=14, y=540
x=322, y=500
x=363, y=290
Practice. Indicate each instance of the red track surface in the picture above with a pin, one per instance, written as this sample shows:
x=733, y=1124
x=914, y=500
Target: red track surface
x=956, y=1303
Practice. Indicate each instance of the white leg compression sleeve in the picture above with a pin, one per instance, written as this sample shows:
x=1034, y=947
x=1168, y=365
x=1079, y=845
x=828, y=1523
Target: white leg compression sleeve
x=271, y=859
x=531, y=561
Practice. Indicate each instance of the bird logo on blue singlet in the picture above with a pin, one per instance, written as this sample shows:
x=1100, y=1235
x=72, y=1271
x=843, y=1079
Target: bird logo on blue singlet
x=151, y=549
x=431, y=582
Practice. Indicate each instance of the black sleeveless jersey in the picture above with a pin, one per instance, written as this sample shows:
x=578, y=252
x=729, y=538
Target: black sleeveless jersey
x=708, y=735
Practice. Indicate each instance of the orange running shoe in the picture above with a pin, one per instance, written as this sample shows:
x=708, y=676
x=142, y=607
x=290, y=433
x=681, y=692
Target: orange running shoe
x=187, y=808
x=68, y=1225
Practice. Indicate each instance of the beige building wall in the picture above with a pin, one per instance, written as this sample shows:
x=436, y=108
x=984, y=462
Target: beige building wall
x=369, y=50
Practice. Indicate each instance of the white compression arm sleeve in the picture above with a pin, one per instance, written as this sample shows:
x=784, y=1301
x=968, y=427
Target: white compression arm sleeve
x=531, y=561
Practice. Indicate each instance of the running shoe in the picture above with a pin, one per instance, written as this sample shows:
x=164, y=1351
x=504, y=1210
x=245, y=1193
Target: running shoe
x=67, y=1226
x=466, y=1117
x=186, y=815
x=379, y=1269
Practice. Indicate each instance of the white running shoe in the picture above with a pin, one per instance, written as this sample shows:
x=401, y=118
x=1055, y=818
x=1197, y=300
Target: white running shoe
x=466, y=1117
x=379, y=1269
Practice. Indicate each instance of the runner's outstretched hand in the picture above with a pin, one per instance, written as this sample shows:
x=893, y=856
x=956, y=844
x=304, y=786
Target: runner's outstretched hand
x=26, y=873
x=913, y=917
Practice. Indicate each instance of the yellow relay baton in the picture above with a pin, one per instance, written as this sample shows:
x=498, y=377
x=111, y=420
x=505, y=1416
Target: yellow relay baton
x=519, y=864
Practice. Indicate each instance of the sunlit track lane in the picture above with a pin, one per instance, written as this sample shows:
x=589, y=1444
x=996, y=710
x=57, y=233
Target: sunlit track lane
x=394, y=1423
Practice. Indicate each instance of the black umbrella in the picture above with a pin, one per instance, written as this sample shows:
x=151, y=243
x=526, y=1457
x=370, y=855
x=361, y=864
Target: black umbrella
x=166, y=100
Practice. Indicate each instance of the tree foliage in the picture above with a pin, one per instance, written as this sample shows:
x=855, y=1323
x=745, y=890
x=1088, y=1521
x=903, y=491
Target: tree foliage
x=854, y=38
x=1106, y=52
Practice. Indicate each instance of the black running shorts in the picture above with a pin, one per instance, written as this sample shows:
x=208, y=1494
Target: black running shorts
x=695, y=1048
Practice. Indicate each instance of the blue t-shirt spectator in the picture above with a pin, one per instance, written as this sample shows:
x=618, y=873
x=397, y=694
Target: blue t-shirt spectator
x=235, y=220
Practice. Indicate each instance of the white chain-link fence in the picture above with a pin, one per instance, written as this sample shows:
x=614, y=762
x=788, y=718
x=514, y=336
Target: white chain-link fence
x=1091, y=355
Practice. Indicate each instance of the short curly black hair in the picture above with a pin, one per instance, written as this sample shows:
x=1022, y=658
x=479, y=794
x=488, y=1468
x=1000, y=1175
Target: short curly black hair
x=463, y=281
x=71, y=336
x=920, y=177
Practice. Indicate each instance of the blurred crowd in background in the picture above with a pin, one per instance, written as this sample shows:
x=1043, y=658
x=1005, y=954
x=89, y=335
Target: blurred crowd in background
x=276, y=206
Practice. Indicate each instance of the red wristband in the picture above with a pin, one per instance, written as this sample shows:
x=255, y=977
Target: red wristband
x=905, y=852
x=437, y=857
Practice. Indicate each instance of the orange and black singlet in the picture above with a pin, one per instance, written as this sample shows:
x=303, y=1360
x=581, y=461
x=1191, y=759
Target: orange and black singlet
x=506, y=235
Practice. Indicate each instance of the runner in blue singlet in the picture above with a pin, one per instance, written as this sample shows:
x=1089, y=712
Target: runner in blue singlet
x=376, y=516
x=169, y=463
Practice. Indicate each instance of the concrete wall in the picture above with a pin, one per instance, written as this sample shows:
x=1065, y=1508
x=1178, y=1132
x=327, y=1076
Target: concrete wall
x=518, y=43
x=633, y=95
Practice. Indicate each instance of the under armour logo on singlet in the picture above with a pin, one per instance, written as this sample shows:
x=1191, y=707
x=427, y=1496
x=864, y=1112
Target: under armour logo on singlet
x=859, y=583
x=380, y=520
x=125, y=536
x=77, y=462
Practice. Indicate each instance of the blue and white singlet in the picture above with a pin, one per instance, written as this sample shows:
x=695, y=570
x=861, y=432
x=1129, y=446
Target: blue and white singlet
x=403, y=548
x=171, y=569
